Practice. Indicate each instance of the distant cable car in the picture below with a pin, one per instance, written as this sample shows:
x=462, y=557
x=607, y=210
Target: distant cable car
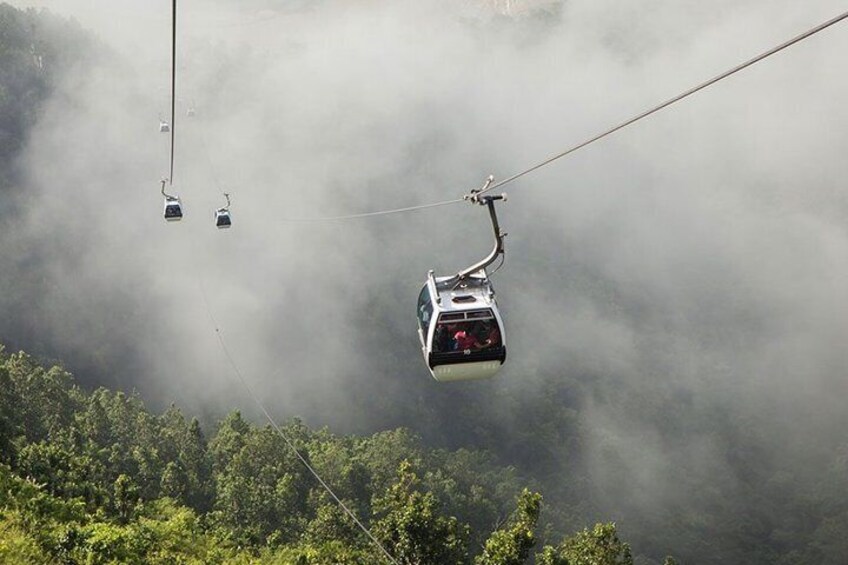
x=459, y=325
x=223, y=220
x=173, y=206
x=173, y=209
x=190, y=112
x=164, y=127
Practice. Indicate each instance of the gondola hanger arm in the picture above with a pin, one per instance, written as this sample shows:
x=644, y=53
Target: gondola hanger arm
x=165, y=194
x=227, y=207
x=476, y=196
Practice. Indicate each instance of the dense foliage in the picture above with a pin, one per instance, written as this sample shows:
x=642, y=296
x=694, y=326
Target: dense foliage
x=96, y=478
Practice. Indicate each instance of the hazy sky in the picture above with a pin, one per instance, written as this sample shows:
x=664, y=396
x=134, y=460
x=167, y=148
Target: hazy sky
x=702, y=252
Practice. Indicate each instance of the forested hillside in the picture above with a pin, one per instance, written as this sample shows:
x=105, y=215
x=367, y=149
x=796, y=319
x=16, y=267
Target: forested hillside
x=96, y=478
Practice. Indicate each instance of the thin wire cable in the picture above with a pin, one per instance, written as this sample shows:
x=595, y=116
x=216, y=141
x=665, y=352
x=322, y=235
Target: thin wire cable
x=679, y=97
x=372, y=214
x=173, y=85
x=282, y=434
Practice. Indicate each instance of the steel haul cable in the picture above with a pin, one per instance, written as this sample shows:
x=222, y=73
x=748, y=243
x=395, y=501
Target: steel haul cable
x=373, y=214
x=173, y=85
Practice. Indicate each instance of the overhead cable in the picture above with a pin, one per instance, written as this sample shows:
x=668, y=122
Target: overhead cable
x=377, y=213
x=679, y=97
x=173, y=85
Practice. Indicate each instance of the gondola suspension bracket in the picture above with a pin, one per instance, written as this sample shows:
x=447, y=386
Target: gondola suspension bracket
x=477, y=196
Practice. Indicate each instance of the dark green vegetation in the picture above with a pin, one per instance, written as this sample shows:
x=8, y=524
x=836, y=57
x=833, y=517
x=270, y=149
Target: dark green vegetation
x=96, y=478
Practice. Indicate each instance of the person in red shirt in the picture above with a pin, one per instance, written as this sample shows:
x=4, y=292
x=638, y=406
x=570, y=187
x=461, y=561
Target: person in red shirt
x=464, y=340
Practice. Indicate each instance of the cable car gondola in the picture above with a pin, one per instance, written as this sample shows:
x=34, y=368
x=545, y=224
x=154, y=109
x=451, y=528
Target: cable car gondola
x=223, y=220
x=173, y=206
x=164, y=127
x=459, y=325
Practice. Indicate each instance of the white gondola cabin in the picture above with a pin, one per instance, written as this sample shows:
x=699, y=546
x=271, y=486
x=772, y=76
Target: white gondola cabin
x=223, y=219
x=173, y=209
x=460, y=328
x=164, y=127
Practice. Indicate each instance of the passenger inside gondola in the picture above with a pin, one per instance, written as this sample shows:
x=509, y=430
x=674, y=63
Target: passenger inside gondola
x=173, y=211
x=465, y=341
x=442, y=339
x=468, y=335
x=488, y=334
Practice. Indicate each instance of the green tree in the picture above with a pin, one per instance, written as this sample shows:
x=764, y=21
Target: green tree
x=411, y=527
x=10, y=427
x=472, y=487
x=174, y=481
x=262, y=492
x=17, y=546
x=598, y=546
x=229, y=440
x=383, y=452
x=124, y=497
x=194, y=456
x=63, y=471
x=512, y=545
x=48, y=400
x=340, y=463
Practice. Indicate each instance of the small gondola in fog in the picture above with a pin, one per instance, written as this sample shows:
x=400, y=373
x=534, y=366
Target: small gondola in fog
x=459, y=325
x=164, y=127
x=223, y=219
x=173, y=206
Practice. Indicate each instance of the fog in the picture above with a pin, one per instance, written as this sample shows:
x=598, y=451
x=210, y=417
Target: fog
x=697, y=260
